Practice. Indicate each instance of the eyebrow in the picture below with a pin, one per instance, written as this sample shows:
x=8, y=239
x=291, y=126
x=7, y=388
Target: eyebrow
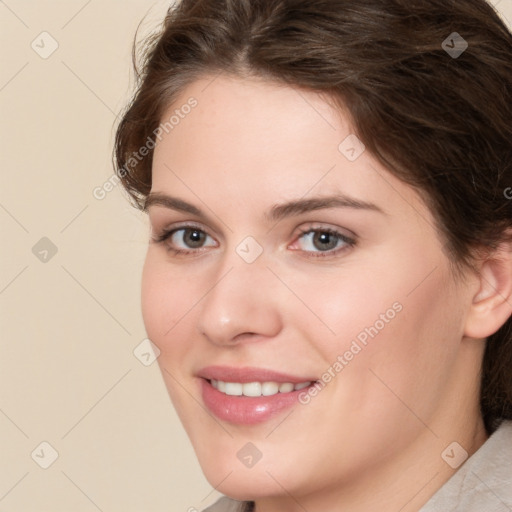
x=277, y=212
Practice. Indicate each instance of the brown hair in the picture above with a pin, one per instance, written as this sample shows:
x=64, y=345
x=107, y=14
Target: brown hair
x=439, y=121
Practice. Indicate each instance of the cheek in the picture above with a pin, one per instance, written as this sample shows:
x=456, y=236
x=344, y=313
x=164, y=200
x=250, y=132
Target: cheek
x=406, y=292
x=165, y=299
x=153, y=301
x=396, y=331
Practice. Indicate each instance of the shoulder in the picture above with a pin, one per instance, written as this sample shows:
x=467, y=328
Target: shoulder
x=483, y=482
x=226, y=504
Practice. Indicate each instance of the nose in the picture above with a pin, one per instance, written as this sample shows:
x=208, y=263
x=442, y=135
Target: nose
x=242, y=305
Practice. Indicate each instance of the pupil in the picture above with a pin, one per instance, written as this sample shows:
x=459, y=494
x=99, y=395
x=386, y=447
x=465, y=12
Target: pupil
x=324, y=241
x=195, y=238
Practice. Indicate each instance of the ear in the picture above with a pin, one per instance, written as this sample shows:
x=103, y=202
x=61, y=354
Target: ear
x=492, y=303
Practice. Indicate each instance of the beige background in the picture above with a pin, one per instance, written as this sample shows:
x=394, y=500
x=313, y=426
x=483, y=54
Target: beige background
x=70, y=321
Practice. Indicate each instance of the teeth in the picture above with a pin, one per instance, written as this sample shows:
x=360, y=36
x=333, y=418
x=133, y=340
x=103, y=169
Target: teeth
x=286, y=387
x=234, y=388
x=251, y=389
x=256, y=388
x=269, y=388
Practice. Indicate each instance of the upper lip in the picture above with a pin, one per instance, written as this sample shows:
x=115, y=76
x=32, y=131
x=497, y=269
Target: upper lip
x=249, y=374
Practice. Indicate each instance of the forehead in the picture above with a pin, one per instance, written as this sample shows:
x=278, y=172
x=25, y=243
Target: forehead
x=261, y=140
x=252, y=119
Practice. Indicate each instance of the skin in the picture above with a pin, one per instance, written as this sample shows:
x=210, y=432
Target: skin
x=372, y=439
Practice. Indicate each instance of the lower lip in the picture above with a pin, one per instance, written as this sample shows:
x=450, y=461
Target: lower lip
x=246, y=410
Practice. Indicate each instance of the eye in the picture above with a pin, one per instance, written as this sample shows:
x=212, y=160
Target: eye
x=185, y=239
x=322, y=240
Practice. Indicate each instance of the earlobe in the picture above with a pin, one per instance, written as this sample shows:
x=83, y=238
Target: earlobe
x=492, y=303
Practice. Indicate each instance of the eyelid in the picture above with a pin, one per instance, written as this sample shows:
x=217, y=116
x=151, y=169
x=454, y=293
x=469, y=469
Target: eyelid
x=317, y=226
x=348, y=237
x=169, y=228
x=350, y=240
x=163, y=235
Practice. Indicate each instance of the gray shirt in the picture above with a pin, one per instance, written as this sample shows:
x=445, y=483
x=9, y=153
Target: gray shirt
x=482, y=484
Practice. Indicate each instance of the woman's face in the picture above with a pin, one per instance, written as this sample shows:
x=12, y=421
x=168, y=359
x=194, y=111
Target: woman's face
x=302, y=256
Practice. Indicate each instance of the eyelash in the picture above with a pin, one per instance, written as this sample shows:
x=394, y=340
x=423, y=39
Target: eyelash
x=349, y=242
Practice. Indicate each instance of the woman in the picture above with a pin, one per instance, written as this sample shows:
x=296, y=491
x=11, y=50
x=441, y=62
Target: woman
x=329, y=275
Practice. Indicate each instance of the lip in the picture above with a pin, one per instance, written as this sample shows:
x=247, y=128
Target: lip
x=250, y=374
x=244, y=410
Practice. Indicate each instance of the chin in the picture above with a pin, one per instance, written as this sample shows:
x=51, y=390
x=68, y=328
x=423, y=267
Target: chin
x=230, y=477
